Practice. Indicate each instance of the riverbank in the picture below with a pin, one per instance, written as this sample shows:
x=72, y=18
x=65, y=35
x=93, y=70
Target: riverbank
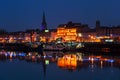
x=88, y=47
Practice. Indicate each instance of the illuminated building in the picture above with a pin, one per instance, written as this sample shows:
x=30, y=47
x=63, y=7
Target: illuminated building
x=27, y=37
x=53, y=35
x=107, y=32
x=45, y=36
x=34, y=37
x=68, y=32
x=73, y=32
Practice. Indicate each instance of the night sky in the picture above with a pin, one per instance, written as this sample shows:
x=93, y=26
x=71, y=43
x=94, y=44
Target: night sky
x=19, y=15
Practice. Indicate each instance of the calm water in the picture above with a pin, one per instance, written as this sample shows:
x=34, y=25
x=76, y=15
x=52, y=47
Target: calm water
x=21, y=66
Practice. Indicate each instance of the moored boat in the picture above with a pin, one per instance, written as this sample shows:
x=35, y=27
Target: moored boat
x=51, y=47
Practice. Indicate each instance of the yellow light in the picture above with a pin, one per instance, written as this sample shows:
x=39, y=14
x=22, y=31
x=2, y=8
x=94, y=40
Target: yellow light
x=46, y=30
x=80, y=34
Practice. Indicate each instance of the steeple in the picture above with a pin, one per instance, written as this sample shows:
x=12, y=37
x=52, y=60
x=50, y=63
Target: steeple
x=44, y=24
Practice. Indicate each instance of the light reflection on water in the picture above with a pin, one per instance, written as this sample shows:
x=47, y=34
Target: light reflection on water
x=58, y=66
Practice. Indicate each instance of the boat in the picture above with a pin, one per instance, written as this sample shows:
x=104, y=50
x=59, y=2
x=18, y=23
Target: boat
x=53, y=47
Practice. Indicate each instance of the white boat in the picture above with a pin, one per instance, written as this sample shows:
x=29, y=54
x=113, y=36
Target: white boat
x=56, y=47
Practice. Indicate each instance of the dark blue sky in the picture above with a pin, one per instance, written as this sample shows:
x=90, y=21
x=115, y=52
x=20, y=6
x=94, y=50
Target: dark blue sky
x=16, y=15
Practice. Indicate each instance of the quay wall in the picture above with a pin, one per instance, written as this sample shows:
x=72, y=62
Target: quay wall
x=88, y=47
x=15, y=47
x=101, y=47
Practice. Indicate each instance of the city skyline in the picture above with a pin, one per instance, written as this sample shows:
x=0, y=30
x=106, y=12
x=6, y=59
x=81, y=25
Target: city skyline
x=27, y=14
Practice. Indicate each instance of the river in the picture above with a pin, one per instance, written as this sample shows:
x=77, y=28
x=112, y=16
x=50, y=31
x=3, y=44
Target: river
x=58, y=66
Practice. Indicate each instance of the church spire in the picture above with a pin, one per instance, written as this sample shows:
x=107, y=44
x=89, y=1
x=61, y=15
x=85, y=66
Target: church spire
x=44, y=24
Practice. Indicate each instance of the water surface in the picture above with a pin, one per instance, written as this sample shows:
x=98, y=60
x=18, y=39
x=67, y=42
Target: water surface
x=22, y=66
